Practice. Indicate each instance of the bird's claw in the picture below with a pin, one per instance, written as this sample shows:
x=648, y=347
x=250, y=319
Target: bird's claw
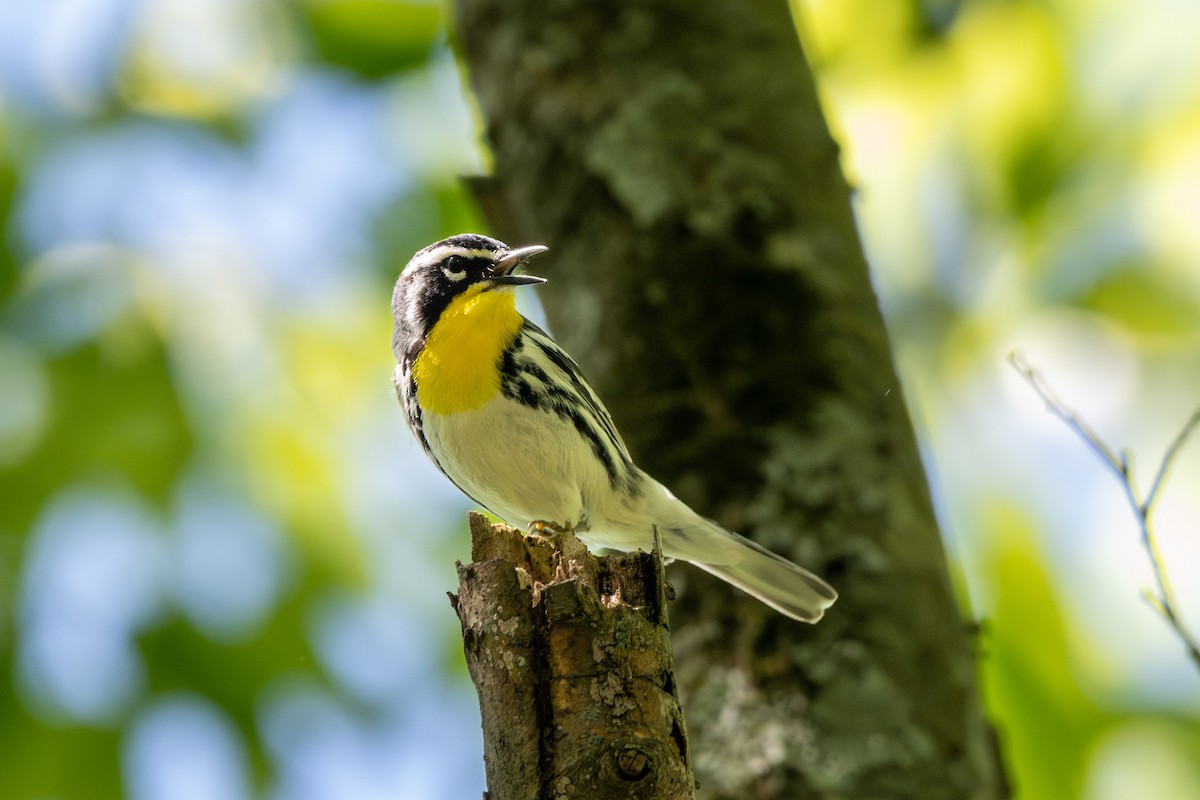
x=545, y=528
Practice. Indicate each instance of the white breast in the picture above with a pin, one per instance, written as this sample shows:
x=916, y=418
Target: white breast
x=519, y=463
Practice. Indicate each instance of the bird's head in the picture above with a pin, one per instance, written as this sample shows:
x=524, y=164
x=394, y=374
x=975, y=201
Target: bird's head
x=444, y=270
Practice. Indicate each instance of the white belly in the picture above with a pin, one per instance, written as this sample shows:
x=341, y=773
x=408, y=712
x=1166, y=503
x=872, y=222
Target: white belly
x=521, y=464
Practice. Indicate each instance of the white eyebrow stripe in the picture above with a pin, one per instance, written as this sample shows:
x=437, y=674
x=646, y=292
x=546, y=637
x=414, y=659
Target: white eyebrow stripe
x=444, y=252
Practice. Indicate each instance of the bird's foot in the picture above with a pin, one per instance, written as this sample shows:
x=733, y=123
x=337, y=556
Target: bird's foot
x=545, y=528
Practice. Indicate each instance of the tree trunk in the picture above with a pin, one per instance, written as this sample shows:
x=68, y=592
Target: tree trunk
x=571, y=657
x=706, y=272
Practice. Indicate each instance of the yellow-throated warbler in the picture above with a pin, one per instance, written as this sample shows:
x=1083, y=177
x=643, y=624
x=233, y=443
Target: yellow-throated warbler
x=506, y=414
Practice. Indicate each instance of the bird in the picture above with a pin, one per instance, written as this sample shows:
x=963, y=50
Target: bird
x=507, y=415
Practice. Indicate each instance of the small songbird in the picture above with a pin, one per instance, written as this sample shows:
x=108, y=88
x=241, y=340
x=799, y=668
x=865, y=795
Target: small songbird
x=506, y=414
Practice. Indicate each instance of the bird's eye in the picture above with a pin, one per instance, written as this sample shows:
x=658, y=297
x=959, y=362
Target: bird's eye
x=455, y=268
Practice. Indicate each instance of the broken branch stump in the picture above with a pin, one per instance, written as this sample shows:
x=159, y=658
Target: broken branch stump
x=571, y=657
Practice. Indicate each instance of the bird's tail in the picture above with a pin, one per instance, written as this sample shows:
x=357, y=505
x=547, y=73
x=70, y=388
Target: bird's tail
x=784, y=586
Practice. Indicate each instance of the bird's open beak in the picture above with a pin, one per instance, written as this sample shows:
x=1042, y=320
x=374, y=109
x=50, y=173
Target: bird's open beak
x=502, y=271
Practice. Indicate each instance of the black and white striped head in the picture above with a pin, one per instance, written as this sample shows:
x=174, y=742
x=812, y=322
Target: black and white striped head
x=444, y=270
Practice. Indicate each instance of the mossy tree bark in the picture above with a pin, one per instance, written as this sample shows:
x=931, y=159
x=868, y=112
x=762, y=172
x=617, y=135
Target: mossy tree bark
x=706, y=272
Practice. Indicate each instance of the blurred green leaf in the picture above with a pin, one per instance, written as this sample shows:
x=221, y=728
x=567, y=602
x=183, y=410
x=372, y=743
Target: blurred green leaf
x=233, y=675
x=111, y=415
x=67, y=762
x=374, y=38
x=424, y=214
x=1037, y=168
x=8, y=263
x=1048, y=724
x=1145, y=300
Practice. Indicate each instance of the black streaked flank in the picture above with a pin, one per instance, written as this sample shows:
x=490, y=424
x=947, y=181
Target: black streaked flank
x=571, y=370
x=527, y=382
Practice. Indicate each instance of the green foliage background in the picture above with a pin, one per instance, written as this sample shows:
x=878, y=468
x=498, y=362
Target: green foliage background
x=222, y=561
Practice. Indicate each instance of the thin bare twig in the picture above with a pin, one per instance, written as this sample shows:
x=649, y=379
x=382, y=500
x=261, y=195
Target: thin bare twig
x=1164, y=600
x=1192, y=422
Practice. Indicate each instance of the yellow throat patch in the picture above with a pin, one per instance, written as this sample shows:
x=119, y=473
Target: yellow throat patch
x=459, y=369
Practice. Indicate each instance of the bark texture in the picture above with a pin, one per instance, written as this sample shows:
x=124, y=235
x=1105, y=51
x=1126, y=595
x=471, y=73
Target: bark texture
x=706, y=272
x=571, y=657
